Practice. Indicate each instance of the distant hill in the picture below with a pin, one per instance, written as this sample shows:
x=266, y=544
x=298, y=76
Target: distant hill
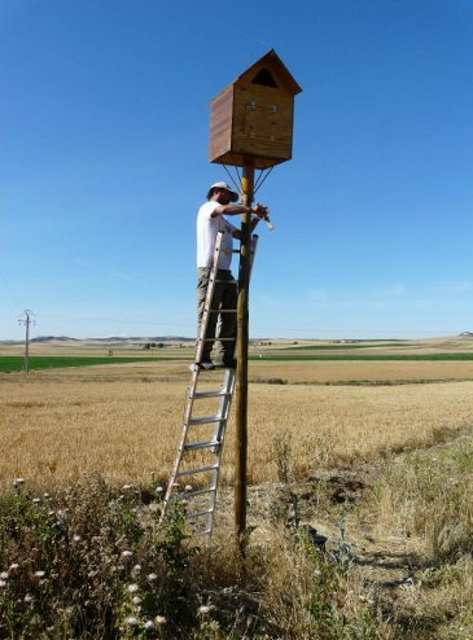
x=55, y=338
x=42, y=339
x=466, y=334
x=144, y=339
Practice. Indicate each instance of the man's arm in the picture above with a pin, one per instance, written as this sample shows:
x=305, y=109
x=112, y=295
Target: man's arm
x=260, y=212
x=236, y=209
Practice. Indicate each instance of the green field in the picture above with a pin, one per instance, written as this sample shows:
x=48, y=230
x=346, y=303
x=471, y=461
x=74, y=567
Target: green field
x=17, y=363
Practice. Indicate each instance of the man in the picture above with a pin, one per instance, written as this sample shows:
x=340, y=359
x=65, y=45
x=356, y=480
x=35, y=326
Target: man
x=210, y=220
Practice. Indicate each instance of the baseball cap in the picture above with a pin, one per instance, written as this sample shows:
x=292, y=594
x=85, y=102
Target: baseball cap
x=223, y=185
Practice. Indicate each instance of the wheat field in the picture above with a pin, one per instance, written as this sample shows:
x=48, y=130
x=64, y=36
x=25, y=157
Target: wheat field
x=125, y=420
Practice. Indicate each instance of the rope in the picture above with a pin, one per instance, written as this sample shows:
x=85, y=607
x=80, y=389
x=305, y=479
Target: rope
x=259, y=181
x=237, y=187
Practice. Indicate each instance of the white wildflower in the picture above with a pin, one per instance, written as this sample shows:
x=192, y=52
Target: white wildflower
x=28, y=598
x=36, y=500
x=77, y=537
x=188, y=487
x=46, y=495
x=4, y=575
x=126, y=553
x=204, y=609
x=14, y=566
x=152, y=576
x=136, y=568
x=126, y=487
x=131, y=621
x=132, y=588
x=149, y=624
x=40, y=574
x=18, y=481
x=136, y=600
x=159, y=489
x=159, y=620
x=3, y=584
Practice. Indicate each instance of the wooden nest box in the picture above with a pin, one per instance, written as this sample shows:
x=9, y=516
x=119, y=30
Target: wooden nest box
x=253, y=117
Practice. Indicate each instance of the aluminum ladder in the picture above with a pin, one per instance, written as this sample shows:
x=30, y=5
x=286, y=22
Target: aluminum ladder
x=200, y=449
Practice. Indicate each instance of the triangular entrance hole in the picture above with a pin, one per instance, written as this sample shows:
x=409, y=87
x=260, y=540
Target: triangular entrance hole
x=264, y=78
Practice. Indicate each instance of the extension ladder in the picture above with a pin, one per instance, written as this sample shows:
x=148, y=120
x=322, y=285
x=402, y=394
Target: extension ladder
x=199, y=454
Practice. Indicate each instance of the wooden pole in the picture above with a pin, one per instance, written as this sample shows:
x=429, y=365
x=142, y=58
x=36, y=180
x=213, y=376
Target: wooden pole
x=241, y=385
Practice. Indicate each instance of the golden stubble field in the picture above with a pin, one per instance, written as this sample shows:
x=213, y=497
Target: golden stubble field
x=124, y=420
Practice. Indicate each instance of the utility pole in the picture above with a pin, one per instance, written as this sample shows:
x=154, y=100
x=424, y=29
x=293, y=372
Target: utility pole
x=27, y=321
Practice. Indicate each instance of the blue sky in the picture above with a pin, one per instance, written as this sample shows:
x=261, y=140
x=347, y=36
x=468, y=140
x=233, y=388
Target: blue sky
x=103, y=164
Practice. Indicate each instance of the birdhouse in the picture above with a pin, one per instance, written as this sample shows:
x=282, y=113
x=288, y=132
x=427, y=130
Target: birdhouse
x=253, y=116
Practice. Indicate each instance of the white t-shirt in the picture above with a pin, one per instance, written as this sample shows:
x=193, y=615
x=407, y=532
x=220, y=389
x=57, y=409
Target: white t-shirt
x=207, y=229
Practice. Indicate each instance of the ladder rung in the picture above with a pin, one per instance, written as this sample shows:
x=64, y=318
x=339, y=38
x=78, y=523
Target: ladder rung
x=199, y=492
x=217, y=339
x=226, y=281
x=222, y=311
x=210, y=394
x=197, y=534
x=233, y=251
x=189, y=472
x=198, y=514
x=205, y=420
x=200, y=445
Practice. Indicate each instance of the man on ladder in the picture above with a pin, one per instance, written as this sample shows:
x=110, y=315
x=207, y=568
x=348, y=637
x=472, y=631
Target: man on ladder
x=210, y=220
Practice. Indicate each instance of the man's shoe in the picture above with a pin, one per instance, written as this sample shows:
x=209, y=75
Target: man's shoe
x=206, y=366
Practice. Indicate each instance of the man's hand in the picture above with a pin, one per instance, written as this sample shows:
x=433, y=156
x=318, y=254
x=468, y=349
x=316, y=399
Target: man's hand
x=260, y=210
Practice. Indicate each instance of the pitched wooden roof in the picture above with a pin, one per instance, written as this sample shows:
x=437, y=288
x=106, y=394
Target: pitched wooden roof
x=274, y=61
